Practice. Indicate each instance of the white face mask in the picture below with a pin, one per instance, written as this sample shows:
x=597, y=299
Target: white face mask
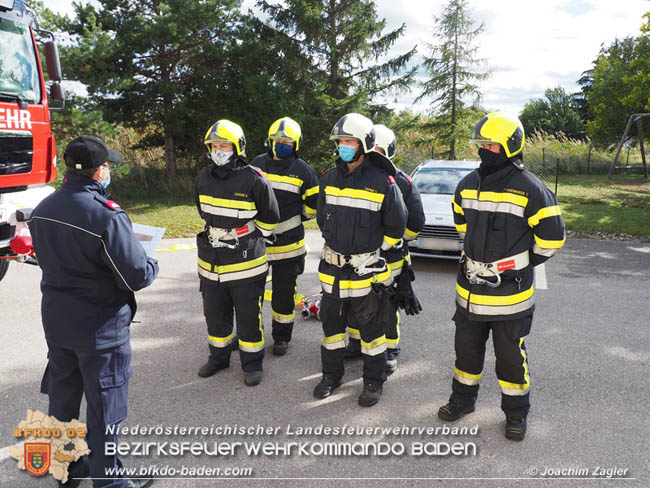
x=221, y=157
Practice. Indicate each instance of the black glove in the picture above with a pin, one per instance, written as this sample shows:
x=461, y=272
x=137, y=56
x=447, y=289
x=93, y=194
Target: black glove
x=404, y=294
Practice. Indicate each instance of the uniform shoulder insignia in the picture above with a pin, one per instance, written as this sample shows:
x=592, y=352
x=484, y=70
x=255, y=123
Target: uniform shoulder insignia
x=258, y=171
x=325, y=172
x=391, y=179
x=111, y=204
x=408, y=178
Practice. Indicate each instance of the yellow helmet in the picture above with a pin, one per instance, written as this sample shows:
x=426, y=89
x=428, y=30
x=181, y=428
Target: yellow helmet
x=500, y=128
x=226, y=131
x=286, y=128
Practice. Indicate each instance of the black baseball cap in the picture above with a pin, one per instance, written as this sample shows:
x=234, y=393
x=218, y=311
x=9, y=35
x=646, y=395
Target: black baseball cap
x=86, y=152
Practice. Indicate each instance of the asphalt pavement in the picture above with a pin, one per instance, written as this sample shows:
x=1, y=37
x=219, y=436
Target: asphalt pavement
x=589, y=352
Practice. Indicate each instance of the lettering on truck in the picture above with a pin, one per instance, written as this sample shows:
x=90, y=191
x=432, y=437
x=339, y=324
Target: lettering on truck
x=13, y=118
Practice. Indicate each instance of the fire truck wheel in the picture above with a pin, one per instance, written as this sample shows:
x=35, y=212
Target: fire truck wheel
x=4, y=266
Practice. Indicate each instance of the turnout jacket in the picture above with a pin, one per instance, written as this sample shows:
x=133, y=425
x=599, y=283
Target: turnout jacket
x=92, y=264
x=358, y=212
x=502, y=215
x=414, y=224
x=296, y=189
x=229, y=197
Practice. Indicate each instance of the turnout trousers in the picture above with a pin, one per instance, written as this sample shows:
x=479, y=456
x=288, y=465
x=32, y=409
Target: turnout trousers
x=335, y=315
x=392, y=334
x=283, y=300
x=103, y=377
x=511, y=361
x=219, y=303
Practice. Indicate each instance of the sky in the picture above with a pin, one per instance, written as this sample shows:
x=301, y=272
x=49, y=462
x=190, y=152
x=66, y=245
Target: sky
x=529, y=45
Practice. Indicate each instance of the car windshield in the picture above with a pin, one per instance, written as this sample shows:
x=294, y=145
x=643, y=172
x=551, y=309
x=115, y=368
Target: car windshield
x=440, y=181
x=19, y=73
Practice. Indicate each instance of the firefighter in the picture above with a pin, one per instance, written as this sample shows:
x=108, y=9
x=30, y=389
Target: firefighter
x=360, y=212
x=510, y=222
x=239, y=209
x=396, y=257
x=296, y=189
x=92, y=264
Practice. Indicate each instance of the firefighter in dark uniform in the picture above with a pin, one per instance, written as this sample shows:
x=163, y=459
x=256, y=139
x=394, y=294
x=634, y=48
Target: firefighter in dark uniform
x=510, y=222
x=239, y=209
x=296, y=189
x=92, y=264
x=396, y=257
x=360, y=212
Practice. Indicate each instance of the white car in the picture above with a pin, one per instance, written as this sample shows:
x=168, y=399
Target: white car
x=436, y=182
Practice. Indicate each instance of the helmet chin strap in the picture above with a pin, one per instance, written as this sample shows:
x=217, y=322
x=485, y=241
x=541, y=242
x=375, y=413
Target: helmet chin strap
x=357, y=154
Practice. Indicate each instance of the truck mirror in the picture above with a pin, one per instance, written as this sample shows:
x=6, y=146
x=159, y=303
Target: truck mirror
x=57, y=92
x=53, y=63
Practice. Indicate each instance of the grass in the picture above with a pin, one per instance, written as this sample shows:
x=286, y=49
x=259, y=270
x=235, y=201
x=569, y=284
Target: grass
x=589, y=204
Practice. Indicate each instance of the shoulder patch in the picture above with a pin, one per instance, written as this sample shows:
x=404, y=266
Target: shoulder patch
x=408, y=178
x=258, y=171
x=391, y=180
x=325, y=172
x=111, y=204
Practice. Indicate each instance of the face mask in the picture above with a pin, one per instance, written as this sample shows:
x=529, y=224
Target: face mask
x=489, y=158
x=282, y=150
x=346, y=153
x=107, y=181
x=221, y=157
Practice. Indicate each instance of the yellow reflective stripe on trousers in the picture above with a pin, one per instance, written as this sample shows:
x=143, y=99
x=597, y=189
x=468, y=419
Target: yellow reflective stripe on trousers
x=354, y=333
x=283, y=318
x=467, y=378
x=375, y=347
x=220, y=341
x=284, y=252
x=543, y=214
x=334, y=342
x=516, y=389
x=254, y=346
x=495, y=305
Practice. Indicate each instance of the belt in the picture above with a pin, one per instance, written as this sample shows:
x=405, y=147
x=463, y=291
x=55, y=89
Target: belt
x=285, y=225
x=476, y=271
x=217, y=235
x=359, y=262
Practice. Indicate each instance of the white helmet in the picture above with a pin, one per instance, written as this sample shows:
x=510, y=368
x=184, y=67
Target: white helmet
x=385, y=139
x=358, y=126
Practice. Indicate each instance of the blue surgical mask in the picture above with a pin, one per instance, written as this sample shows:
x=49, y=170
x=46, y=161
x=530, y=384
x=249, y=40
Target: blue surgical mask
x=107, y=181
x=282, y=150
x=346, y=153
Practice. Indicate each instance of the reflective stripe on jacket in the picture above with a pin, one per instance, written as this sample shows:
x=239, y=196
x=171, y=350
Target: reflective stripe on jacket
x=295, y=186
x=228, y=197
x=358, y=211
x=506, y=213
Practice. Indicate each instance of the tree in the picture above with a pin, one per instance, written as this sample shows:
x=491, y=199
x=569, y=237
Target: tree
x=450, y=69
x=141, y=60
x=557, y=113
x=337, y=45
x=621, y=87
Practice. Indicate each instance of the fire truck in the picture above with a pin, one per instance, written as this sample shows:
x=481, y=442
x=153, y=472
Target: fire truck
x=27, y=145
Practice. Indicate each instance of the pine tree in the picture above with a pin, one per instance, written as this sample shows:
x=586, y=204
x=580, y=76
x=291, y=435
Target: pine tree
x=338, y=44
x=451, y=75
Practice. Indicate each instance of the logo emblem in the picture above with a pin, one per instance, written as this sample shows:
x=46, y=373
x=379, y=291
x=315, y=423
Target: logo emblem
x=37, y=457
